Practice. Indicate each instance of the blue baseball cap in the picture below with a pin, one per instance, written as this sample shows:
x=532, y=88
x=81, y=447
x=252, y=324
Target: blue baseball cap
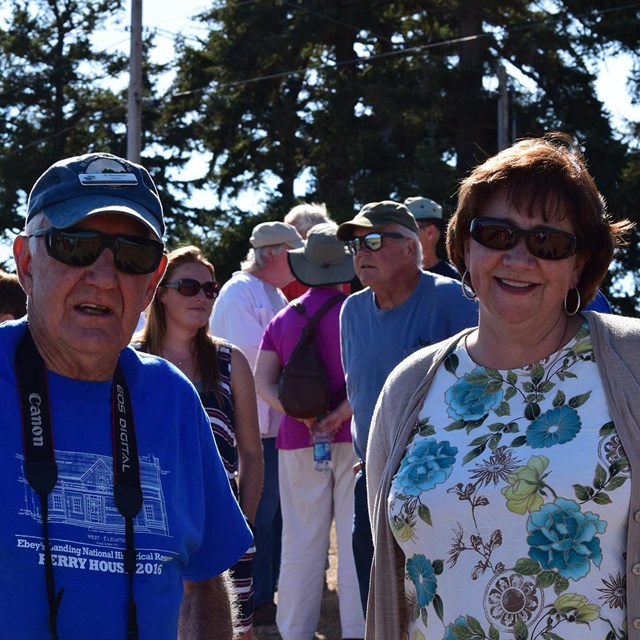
x=76, y=188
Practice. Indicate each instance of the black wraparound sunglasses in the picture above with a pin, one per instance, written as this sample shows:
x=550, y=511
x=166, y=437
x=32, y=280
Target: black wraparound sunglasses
x=544, y=243
x=372, y=241
x=135, y=255
x=189, y=287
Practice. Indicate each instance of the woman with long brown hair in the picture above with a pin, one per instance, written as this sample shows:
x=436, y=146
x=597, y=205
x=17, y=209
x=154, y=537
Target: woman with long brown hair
x=177, y=329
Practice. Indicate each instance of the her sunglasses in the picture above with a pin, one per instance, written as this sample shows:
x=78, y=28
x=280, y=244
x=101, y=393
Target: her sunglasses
x=547, y=244
x=135, y=255
x=189, y=287
x=372, y=241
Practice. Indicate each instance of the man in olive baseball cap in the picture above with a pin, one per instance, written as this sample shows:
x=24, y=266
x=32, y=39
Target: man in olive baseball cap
x=401, y=309
x=376, y=215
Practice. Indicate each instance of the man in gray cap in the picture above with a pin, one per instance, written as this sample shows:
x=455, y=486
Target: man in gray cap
x=121, y=529
x=246, y=304
x=401, y=309
x=431, y=225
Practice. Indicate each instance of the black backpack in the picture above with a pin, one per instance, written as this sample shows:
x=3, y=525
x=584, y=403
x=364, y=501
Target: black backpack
x=303, y=388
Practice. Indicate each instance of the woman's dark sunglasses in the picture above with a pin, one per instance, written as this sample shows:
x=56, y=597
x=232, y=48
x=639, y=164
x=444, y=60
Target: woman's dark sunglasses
x=188, y=287
x=135, y=255
x=373, y=241
x=547, y=244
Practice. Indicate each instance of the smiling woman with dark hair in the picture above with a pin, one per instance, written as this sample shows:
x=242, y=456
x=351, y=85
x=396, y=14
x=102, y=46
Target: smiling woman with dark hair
x=502, y=458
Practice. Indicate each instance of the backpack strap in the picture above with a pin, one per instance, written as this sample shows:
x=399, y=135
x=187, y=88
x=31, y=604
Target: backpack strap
x=314, y=319
x=296, y=305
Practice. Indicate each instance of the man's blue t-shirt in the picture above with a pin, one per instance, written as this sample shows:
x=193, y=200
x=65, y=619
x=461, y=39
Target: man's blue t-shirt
x=373, y=341
x=189, y=528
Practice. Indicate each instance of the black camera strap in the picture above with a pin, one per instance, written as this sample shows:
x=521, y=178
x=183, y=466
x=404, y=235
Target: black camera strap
x=42, y=472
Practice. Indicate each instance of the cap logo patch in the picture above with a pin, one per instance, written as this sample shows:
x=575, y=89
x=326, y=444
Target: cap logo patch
x=105, y=171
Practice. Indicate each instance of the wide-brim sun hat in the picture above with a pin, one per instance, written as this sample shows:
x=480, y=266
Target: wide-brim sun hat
x=324, y=260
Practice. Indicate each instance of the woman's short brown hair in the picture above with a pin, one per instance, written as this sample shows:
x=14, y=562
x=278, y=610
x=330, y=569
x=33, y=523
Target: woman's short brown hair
x=544, y=177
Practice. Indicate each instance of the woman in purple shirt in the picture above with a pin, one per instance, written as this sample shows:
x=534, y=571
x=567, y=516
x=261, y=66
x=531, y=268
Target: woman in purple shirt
x=311, y=499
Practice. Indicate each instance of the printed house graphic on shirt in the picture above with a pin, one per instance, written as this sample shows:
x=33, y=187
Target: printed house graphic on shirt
x=83, y=495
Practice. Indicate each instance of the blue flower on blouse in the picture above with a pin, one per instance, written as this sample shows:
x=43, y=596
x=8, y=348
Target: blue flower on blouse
x=426, y=465
x=458, y=622
x=555, y=426
x=424, y=579
x=469, y=400
x=562, y=538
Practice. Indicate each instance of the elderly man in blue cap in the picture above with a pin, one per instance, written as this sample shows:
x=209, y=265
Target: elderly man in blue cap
x=118, y=516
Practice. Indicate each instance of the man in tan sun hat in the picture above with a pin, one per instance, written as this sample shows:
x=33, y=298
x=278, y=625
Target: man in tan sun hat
x=246, y=304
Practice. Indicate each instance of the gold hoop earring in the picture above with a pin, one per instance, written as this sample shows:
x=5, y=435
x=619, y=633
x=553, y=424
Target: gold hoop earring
x=578, y=302
x=466, y=288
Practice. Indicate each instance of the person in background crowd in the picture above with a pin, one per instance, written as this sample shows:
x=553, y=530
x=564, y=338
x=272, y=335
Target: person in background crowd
x=246, y=304
x=504, y=458
x=13, y=300
x=303, y=217
x=119, y=520
x=401, y=309
x=177, y=329
x=431, y=225
x=311, y=499
x=599, y=303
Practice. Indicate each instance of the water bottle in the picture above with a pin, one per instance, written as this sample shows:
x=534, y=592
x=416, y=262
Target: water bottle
x=321, y=451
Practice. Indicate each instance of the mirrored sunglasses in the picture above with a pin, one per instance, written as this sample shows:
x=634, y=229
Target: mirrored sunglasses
x=372, y=241
x=135, y=255
x=544, y=243
x=189, y=287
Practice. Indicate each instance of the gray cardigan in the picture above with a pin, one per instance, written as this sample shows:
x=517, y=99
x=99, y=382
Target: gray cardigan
x=616, y=343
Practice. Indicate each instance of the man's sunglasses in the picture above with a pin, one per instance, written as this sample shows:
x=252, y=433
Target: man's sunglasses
x=372, y=241
x=547, y=244
x=135, y=255
x=188, y=287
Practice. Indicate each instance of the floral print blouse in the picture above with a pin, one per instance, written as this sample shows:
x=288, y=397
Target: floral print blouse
x=511, y=503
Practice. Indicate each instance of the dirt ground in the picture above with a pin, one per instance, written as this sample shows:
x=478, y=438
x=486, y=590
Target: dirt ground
x=329, y=625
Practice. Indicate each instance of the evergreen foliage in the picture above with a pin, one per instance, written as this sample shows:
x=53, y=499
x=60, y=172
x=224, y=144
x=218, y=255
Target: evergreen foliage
x=335, y=101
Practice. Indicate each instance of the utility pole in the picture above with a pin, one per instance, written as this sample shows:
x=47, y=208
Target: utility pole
x=503, y=108
x=134, y=105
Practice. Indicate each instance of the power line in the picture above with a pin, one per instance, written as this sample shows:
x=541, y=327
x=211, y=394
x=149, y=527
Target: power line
x=361, y=60
x=397, y=52
x=163, y=33
x=317, y=14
